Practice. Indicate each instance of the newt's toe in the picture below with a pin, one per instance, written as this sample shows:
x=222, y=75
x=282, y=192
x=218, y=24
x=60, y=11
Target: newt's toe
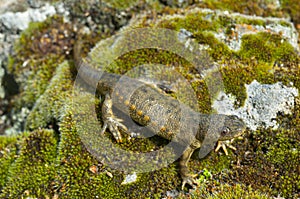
x=190, y=180
x=224, y=144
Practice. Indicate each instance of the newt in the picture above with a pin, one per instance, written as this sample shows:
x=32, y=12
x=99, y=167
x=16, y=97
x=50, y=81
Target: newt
x=160, y=113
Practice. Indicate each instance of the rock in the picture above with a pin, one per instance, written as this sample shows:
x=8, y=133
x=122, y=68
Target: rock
x=20, y=20
x=130, y=178
x=264, y=102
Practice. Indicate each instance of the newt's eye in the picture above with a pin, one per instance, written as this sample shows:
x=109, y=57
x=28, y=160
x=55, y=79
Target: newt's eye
x=225, y=131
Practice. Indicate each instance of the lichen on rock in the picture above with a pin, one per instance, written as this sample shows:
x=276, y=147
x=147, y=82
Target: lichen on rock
x=262, y=105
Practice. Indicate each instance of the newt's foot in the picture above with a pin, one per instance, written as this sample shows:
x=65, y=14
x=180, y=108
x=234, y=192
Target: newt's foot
x=110, y=121
x=224, y=144
x=190, y=180
x=114, y=124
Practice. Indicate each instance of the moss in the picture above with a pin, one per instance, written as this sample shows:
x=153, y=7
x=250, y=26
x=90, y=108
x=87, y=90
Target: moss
x=218, y=50
x=284, y=154
x=50, y=106
x=75, y=178
x=33, y=171
x=225, y=191
x=193, y=22
x=204, y=100
x=258, y=54
x=35, y=60
x=38, y=82
x=267, y=47
x=71, y=171
x=270, y=160
x=258, y=22
x=293, y=8
x=8, y=153
x=252, y=7
x=121, y=4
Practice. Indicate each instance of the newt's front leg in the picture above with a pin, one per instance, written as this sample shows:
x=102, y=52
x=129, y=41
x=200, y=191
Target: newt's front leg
x=188, y=178
x=110, y=121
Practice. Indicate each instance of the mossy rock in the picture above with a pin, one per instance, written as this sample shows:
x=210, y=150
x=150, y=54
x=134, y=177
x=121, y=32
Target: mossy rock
x=33, y=170
x=65, y=168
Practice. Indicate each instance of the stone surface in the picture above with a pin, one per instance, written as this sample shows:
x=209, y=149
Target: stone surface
x=20, y=20
x=264, y=102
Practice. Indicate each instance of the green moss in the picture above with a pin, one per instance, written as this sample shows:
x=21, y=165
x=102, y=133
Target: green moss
x=259, y=52
x=292, y=7
x=8, y=153
x=234, y=78
x=33, y=171
x=258, y=22
x=193, y=22
x=267, y=47
x=284, y=153
x=225, y=191
x=204, y=100
x=75, y=178
x=252, y=7
x=38, y=81
x=50, y=106
x=270, y=158
x=285, y=23
x=73, y=172
x=271, y=161
x=218, y=50
x=123, y=4
x=35, y=60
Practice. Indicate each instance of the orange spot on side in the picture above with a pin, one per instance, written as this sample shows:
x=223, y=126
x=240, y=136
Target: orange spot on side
x=163, y=128
x=132, y=107
x=139, y=113
x=146, y=118
x=126, y=102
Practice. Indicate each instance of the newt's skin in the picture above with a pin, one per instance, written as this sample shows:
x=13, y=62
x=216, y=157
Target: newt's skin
x=159, y=113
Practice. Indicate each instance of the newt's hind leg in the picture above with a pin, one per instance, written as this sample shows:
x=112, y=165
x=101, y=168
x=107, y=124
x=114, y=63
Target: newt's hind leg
x=110, y=121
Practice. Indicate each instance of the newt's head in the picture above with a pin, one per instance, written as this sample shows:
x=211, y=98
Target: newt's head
x=221, y=128
x=232, y=127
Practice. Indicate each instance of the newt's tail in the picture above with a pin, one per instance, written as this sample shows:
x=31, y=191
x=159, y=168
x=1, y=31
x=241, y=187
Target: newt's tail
x=88, y=74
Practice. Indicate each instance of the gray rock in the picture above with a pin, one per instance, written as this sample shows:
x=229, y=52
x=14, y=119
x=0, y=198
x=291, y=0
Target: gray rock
x=130, y=178
x=264, y=102
x=20, y=20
